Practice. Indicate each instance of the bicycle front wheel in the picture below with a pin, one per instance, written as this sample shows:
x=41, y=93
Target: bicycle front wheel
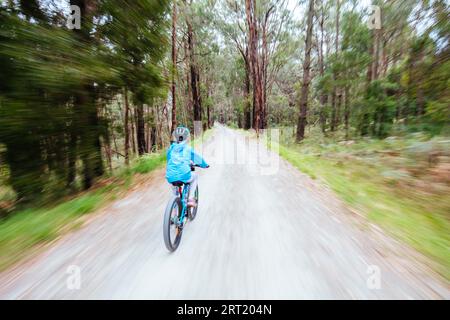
x=171, y=229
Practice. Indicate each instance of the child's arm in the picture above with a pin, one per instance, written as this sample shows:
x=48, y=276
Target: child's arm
x=169, y=152
x=198, y=159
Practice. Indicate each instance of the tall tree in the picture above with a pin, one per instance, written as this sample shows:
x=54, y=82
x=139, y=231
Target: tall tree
x=126, y=125
x=321, y=62
x=302, y=118
x=174, y=64
x=232, y=23
x=194, y=73
x=336, y=96
x=252, y=25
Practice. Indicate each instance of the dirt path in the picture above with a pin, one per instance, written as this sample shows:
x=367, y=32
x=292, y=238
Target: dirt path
x=263, y=231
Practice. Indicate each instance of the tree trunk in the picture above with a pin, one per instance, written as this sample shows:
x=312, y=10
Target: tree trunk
x=195, y=76
x=87, y=119
x=338, y=109
x=159, y=125
x=347, y=110
x=323, y=113
x=90, y=145
x=208, y=107
x=108, y=153
x=335, y=113
x=72, y=158
x=247, y=103
x=174, y=65
x=385, y=59
x=133, y=131
x=376, y=59
x=250, y=8
x=140, y=130
x=323, y=96
x=208, y=115
x=153, y=142
x=264, y=63
x=127, y=128
x=306, y=75
x=147, y=131
x=370, y=65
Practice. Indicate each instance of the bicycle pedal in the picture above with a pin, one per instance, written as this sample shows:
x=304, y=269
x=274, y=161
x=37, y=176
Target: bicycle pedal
x=180, y=224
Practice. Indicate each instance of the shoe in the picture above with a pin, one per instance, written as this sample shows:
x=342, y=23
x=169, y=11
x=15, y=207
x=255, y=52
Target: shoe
x=191, y=203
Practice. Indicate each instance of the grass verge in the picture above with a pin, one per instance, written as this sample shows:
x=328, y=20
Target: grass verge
x=24, y=230
x=381, y=180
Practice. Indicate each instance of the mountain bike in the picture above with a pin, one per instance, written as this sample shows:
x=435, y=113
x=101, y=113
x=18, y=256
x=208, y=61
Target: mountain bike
x=178, y=213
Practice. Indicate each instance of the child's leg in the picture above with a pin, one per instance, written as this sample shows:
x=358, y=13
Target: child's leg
x=193, y=182
x=174, y=190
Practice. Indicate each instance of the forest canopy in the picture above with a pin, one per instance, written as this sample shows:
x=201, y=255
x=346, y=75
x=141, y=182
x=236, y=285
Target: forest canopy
x=75, y=104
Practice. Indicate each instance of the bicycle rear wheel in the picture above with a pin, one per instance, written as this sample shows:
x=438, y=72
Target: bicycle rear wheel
x=171, y=230
x=193, y=211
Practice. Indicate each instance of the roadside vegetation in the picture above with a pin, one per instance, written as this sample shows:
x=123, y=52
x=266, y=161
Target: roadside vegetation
x=84, y=110
x=33, y=226
x=401, y=183
x=29, y=227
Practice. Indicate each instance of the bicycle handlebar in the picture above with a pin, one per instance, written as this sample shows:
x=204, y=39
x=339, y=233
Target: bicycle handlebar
x=196, y=165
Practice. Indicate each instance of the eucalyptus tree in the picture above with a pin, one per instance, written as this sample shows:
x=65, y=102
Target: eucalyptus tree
x=303, y=103
x=231, y=23
x=260, y=31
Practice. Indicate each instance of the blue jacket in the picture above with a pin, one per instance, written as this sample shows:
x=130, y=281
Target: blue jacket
x=179, y=157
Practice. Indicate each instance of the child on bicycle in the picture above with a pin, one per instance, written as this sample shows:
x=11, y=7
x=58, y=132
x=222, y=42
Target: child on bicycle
x=180, y=157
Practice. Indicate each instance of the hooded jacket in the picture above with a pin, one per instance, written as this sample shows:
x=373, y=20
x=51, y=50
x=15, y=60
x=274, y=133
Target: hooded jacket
x=179, y=157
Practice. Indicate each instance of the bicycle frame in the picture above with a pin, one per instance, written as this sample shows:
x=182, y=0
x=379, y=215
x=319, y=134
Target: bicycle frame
x=183, y=214
x=183, y=192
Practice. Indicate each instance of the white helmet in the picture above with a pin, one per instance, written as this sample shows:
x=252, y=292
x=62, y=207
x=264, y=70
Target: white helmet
x=181, y=134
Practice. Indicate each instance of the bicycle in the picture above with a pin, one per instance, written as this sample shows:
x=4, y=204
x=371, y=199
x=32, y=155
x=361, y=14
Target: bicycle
x=177, y=213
